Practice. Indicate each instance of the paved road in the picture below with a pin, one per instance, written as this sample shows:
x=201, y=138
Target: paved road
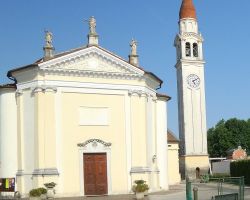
x=205, y=192
x=177, y=192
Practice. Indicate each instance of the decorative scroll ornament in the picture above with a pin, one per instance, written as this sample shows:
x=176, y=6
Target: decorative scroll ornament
x=94, y=141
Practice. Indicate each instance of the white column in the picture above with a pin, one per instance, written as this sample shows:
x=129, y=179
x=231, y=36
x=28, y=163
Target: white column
x=8, y=134
x=162, y=145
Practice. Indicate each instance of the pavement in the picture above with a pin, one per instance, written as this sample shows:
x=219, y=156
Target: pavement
x=176, y=192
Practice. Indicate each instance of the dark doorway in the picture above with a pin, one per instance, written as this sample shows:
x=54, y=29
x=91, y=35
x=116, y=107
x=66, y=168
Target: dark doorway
x=95, y=173
x=198, y=173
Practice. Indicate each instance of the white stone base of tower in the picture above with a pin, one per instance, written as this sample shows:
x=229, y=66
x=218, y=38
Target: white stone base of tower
x=193, y=166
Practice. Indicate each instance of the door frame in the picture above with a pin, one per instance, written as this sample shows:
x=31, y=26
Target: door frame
x=94, y=146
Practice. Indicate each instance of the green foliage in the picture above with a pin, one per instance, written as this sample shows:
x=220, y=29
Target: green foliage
x=241, y=168
x=50, y=185
x=140, y=186
x=139, y=182
x=37, y=192
x=228, y=135
x=204, y=178
x=42, y=190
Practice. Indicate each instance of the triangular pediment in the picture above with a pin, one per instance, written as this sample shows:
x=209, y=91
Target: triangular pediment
x=91, y=60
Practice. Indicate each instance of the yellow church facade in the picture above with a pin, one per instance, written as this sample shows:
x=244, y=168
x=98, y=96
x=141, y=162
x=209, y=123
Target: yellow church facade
x=93, y=122
x=87, y=120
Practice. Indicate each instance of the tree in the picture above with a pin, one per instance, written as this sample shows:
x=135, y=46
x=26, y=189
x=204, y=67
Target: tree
x=228, y=135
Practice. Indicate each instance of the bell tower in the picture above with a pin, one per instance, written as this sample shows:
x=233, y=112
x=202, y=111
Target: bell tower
x=191, y=94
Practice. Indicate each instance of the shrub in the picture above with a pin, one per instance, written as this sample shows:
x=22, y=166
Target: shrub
x=241, y=168
x=35, y=193
x=139, y=182
x=50, y=185
x=140, y=186
x=42, y=190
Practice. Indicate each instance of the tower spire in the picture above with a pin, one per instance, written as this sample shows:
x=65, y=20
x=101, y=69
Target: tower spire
x=187, y=9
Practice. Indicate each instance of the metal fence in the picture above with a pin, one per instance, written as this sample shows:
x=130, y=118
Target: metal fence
x=229, y=188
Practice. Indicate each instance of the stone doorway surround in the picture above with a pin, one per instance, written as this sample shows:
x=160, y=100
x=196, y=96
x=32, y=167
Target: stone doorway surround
x=94, y=146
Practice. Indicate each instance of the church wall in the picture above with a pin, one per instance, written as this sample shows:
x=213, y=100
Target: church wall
x=28, y=137
x=173, y=160
x=138, y=123
x=57, y=103
x=8, y=138
x=140, y=148
x=74, y=133
x=69, y=108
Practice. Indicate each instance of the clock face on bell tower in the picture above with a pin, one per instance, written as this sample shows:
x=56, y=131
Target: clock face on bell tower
x=193, y=81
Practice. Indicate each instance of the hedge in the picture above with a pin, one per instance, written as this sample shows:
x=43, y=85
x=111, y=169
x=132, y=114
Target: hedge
x=241, y=168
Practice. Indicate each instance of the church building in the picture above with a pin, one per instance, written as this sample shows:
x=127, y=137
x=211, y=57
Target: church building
x=85, y=119
x=93, y=122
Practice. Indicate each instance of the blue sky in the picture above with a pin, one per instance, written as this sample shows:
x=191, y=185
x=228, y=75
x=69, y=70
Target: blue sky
x=224, y=25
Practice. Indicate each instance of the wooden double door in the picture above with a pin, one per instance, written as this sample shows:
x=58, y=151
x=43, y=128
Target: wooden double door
x=95, y=173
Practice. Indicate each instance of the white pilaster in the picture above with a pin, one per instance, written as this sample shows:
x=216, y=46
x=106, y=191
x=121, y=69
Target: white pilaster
x=161, y=124
x=149, y=139
x=128, y=138
x=59, y=140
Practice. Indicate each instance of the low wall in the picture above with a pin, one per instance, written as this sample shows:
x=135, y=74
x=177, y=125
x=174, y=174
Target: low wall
x=222, y=167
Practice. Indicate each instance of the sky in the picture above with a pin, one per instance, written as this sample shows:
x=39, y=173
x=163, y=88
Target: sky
x=224, y=25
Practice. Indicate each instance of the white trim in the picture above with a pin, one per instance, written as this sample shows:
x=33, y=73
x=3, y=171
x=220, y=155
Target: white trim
x=59, y=139
x=89, y=85
x=141, y=170
x=96, y=148
x=149, y=137
x=128, y=138
x=74, y=57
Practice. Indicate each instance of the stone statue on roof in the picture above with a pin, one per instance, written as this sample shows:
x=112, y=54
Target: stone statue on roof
x=133, y=46
x=48, y=39
x=92, y=25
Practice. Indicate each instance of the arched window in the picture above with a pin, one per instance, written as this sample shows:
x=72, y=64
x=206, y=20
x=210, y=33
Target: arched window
x=188, y=49
x=195, y=50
